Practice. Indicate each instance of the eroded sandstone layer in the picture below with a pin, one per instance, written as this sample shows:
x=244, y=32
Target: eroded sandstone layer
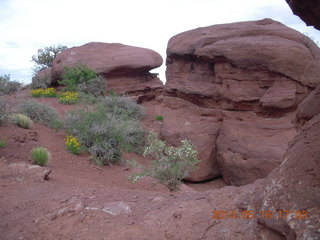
x=240, y=85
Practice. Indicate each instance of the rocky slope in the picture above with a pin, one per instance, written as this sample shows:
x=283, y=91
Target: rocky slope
x=240, y=85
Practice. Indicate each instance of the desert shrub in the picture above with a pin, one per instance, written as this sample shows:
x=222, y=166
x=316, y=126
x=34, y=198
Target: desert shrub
x=7, y=86
x=122, y=107
x=104, y=134
x=159, y=118
x=40, y=156
x=73, y=145
x=172, y=164
x=3, y=142
x=68, y=97
x=4, y=112
x=87, y=98
x=41, y=113
x=73, y=76
x=41, y=80
x=22, y=120
x=95, y=86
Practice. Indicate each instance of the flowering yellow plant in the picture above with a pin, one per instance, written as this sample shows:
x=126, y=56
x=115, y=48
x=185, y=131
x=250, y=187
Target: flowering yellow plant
x=68, y=97
x=73, y=145
x=48, y=92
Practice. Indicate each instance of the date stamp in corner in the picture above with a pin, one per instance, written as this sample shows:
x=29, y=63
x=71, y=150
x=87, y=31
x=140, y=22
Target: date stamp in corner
x=268, y=214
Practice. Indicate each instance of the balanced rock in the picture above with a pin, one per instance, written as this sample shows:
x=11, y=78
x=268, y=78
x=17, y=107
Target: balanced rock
x=126, y=68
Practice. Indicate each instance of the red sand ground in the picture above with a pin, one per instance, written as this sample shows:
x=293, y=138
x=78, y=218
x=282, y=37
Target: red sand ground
x=80, y=200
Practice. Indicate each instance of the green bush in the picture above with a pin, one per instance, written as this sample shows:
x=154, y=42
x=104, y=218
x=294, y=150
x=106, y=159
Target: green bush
x=83, y=79
x=159, y=118
x=40, y=156
x=122, y=107
x=3, y=142
x=41, y=113
x=172, y=164
x=22, y=120
x=7, y=86
x=4, y=112
x=105, y=134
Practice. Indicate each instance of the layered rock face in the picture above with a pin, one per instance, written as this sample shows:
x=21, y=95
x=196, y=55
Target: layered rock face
x=307, y=10
x=126, y=68
x=294, y=187
x=247, y=78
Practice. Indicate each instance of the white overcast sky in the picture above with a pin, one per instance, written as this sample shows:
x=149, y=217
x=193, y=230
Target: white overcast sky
x=27, y=25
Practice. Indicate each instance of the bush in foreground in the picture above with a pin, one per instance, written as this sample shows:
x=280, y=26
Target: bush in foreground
x=172, y=164
x=40, y=156
x=104, y=134
x=41, y=113
x=22, y=121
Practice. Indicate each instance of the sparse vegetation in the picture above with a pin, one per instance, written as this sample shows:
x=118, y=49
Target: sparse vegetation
x=45, y=57
x=68, y=97
x=40, y=156
x=7, y=86
x=73, y=145
x=123, y=107
x=83, y=79
x=4, y=113
x=41, y=113
x=41, y=80
x=3, y=142
x=172, y=164
x=159, y=118
x=104, y=133
x=22, y=121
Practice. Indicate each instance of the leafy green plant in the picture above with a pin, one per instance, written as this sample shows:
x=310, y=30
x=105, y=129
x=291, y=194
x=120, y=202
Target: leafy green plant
x=40, y=156
x=172, y=164
x=104, y=134
x=22, y=121
x=73, y=76
x=41, y=113
x=73, y=145
x=3, y=142
x=7, y=86
x=159, y=118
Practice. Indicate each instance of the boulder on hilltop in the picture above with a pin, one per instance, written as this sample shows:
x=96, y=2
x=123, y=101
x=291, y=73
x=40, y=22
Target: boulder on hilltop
x=126, y=68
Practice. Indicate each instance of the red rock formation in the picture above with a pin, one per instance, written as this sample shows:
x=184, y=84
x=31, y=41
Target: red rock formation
x=261, y=68
x=307, y=10
x=126, y=68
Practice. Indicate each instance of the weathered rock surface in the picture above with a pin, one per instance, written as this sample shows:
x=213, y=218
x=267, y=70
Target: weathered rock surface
x=184, y=120
x=307, y=10
x=295, y=187
x=237, y=71
x=126, y=68
x=250, y=147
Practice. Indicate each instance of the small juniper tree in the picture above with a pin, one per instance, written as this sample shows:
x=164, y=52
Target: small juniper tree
x=45, y=57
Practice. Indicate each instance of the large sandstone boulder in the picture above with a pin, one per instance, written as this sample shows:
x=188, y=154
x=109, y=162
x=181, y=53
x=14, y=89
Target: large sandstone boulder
x=295, y=187
x=126, y=68
x=260, y=69
x=307, y=10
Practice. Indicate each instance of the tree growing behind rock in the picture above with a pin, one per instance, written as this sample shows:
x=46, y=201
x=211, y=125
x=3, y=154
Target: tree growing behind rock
x=45, y=57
